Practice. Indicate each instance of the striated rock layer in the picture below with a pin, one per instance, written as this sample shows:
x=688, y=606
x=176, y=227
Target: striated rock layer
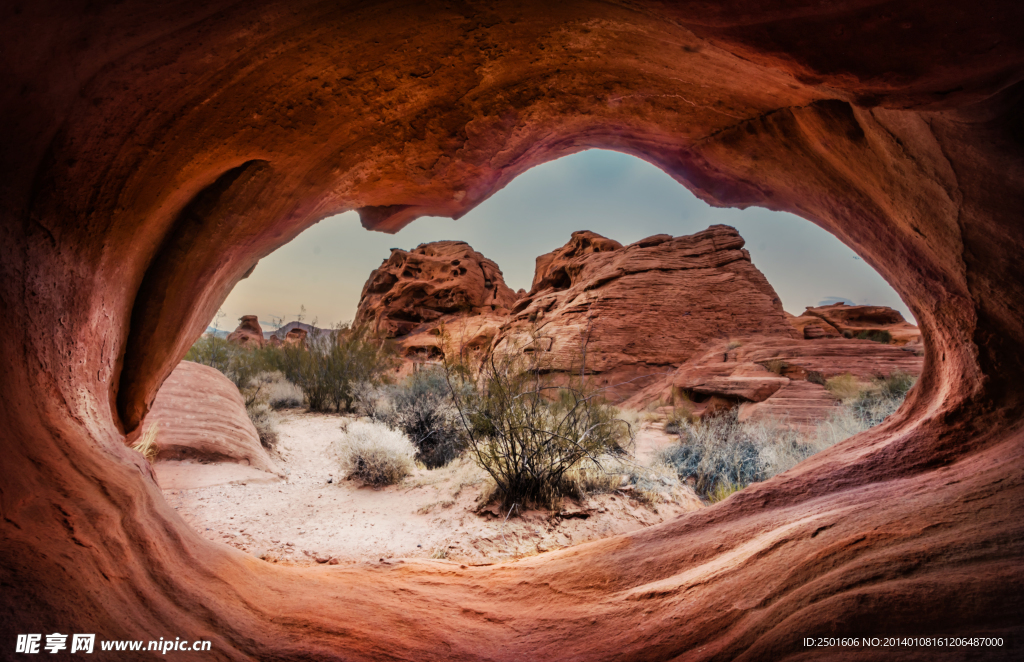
x=636, y=312
x=200, y=415
x=851, y=321
x=153, y=152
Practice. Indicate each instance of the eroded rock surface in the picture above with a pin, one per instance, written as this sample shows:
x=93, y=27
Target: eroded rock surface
x=643, y=309
x=200, y=415
x=413, y=293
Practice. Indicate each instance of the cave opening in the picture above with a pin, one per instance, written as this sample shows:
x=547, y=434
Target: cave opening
x=895, y=129
x=787, y=378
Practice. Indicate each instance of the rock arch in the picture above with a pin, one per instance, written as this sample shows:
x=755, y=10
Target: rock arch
x=153, y=152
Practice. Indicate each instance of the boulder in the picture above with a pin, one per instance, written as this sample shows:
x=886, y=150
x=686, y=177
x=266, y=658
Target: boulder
x=200, y=415
x=249, y=334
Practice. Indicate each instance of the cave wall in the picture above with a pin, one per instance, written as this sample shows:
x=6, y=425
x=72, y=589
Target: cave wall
x=154, y=151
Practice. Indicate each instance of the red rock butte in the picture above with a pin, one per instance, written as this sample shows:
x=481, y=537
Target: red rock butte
x=152, y=152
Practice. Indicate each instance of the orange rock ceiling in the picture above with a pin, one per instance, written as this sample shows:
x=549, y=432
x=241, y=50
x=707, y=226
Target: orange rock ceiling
x=152, y=152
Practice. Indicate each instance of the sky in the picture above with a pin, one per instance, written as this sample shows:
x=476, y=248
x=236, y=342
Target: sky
x=616, y=195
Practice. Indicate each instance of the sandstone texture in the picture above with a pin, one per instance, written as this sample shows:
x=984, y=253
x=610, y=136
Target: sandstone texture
x=153, y=152
x=249, y=334
x=443, y=283
x=200, y=415
x=638, y=311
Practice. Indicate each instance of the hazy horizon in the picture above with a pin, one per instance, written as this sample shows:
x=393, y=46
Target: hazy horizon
x=613, y=194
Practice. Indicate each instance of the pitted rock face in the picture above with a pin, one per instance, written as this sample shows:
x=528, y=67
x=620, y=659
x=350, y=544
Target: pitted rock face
x=153, y=152
x=249, y=333
x=431, y=281
x=643, y=308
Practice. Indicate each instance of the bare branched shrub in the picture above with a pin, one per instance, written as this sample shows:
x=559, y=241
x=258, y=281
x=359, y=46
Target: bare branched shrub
x=374, y=453
x=525, y=430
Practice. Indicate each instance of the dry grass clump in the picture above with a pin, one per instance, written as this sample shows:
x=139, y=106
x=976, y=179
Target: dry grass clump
x=845, y=387
x=147, y=445
x=279, y=392
x=775, y=365
x=375, y=453
x=265, y=422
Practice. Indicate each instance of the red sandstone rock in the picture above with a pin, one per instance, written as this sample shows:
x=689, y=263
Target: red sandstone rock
x=153, y=152
x=296, y=338
x=200, y=415
x=644, y=308
x=853, y=320
x=249, y=334
x=811, y=327
x=440, y=284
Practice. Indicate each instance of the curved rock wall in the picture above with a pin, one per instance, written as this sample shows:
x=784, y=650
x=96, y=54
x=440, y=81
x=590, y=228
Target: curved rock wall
x=153, y=152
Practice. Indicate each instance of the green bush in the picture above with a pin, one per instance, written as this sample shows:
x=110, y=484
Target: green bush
x=335, y=362
x=877, y=335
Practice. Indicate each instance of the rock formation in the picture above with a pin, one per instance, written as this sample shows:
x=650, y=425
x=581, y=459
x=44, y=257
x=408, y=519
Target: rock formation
x=642, y=309
x=200, y=415
x=153, y=152
x=786, y=375
x=414, y=292
x=249, y=334
x=853, y=321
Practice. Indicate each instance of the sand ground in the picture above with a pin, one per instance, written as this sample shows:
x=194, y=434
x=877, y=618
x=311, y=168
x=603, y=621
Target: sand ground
x=315, y=515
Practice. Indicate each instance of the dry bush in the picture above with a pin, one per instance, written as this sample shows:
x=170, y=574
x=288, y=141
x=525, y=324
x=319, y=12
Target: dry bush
x=775, y=365
x=845, y=387
x=422, y=407
x=265, y=422
x=374, y=453
x=147, y=444
x=278, y=392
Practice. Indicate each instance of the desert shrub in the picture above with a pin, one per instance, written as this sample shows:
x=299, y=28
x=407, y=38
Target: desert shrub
x=775, y=365
x=147, y=444
x=374, y=453
x=877, y=335
x=328, y=371
x=681, y=414
x=422, y=407
x=211, y=351
x=721, y=454
x=846, y=387
x=815, y=377
x=265, y=422
x=278, y=391
x=526, y=431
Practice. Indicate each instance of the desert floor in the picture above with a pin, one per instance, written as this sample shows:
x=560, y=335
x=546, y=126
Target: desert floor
x=314, y=515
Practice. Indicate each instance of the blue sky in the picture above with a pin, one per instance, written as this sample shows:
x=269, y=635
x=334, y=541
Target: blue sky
x=613, y=194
